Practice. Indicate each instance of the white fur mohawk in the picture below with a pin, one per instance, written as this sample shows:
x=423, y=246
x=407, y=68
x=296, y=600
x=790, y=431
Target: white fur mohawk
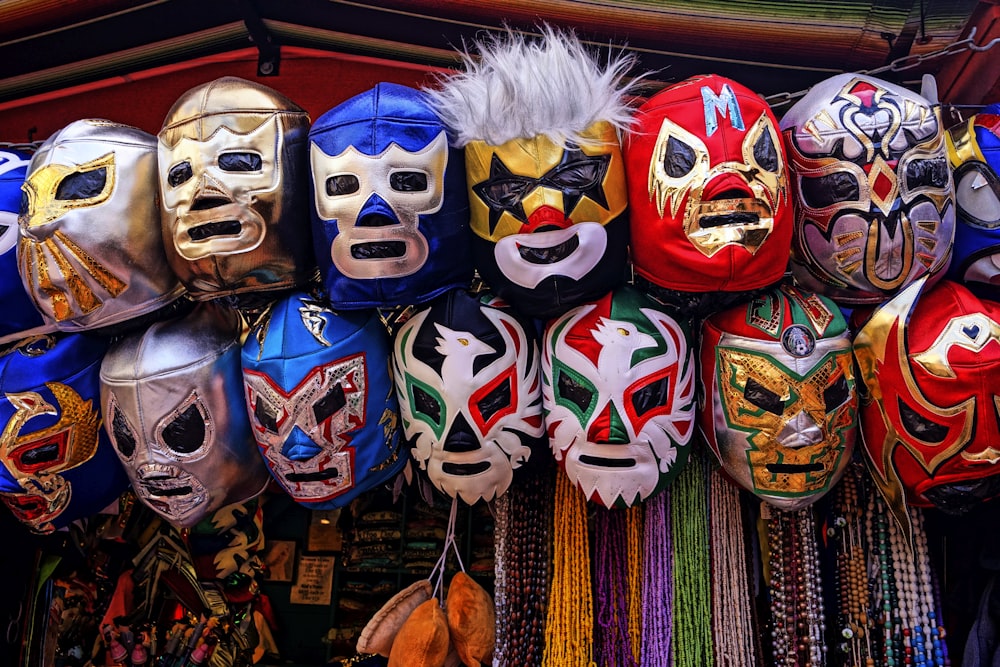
x=524, y=87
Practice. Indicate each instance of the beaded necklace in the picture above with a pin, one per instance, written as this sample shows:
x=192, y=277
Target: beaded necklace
x=523, y=554
x=796, y=594
x=613, y=641
x=657, y=582
x=692, y=632
x=635, y=539
x=732, y=628
x=570, y=619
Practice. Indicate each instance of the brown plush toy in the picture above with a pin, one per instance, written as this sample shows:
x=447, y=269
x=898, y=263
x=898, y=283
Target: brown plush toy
x=471, y=620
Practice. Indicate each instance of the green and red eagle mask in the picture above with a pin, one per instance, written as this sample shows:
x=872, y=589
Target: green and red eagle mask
x=779, y=405
x=618, y=392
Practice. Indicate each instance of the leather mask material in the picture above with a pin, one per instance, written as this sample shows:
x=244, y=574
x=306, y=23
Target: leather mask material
x=90, y=252
x=173, y=407
x=58, y=466
x=233, y=173
x=930, y=417
x=780, y=407
x=618, y=389
x=875, y=200
x=549, y=222
x=708, y=189
x=321, y=400
x=466, y=373
x=390, y=212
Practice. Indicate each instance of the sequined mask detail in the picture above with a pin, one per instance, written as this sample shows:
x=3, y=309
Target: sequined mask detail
x=305, y=432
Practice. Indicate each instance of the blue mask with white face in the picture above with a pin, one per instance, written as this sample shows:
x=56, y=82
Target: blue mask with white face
x=321, y=401
x=390, y=211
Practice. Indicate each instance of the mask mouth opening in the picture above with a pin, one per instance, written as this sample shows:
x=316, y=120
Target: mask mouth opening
x=551, y=254
x=465, y=469
x=207, y=203
x=155, y=487
x=793, y=468
x=603, y=462
x=378, y=250
x=212, y=229
x=318, y=476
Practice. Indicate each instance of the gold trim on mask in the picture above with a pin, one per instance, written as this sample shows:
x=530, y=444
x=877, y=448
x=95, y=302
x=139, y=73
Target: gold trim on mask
x=43, y=184
x=534, y=157
x=972, y=332
x=769, y=188
x=961, y=144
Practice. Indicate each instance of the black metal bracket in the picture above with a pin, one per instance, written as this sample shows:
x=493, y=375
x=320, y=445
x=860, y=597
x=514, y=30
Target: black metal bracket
x=268, y=48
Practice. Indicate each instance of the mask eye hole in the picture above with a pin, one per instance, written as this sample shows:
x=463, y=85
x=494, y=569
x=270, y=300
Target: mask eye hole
x=179, y=173
x=829, y=189
x=578, y=175
x=650, y=397
x=82, y=185
x=426, y=405
x=920, y=427
x=498, y=399
x=574, y=392
x=678, y=159
x=764, y=152
x=926, y=174
x=186, y=433
x=342, y=184
x=330, y=404
x=504, y=193
x=762, y=397
x=240, y=161
x=408, y=181
x=836, y=394
x=977, y=193
x=124, y=438
x=265, y=414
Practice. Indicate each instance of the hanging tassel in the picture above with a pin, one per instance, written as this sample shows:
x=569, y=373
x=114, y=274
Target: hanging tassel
x=569, y=624
x=657, y=583
x=614, y=643
x=692, y=633
x=633, y=520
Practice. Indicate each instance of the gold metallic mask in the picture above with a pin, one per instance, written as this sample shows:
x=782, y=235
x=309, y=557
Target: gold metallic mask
x=534, y=157
x=805, y=435
x=768, y=187
x=41, y=188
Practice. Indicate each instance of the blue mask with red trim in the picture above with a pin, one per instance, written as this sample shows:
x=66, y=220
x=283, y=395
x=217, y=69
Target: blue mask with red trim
x=321, y=401
x=58, y=464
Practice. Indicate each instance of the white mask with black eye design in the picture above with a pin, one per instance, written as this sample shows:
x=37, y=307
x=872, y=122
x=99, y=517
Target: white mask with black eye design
x=470, y=397
x=173, y=407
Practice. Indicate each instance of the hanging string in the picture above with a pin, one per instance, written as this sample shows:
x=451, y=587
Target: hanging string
x=569, y=623
x=657, y=582
x=437, y=572
x=732, y=618
x=692, y=633
x=613, y=641
x=633, y=519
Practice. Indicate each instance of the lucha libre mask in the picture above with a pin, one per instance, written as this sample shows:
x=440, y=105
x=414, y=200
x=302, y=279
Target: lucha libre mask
x=232, y=172
x=931, y=416
x=871, y=176
x=466, y=373
x=90, y=251
x=974, y=154
x=21, y=318
x=321, y=400
x=173, y=406
x=779, y=405
x=549, y=223
x=544, y=168
x=390, y=211
x=708, y=189
x=58, y=465
x=618, y=390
